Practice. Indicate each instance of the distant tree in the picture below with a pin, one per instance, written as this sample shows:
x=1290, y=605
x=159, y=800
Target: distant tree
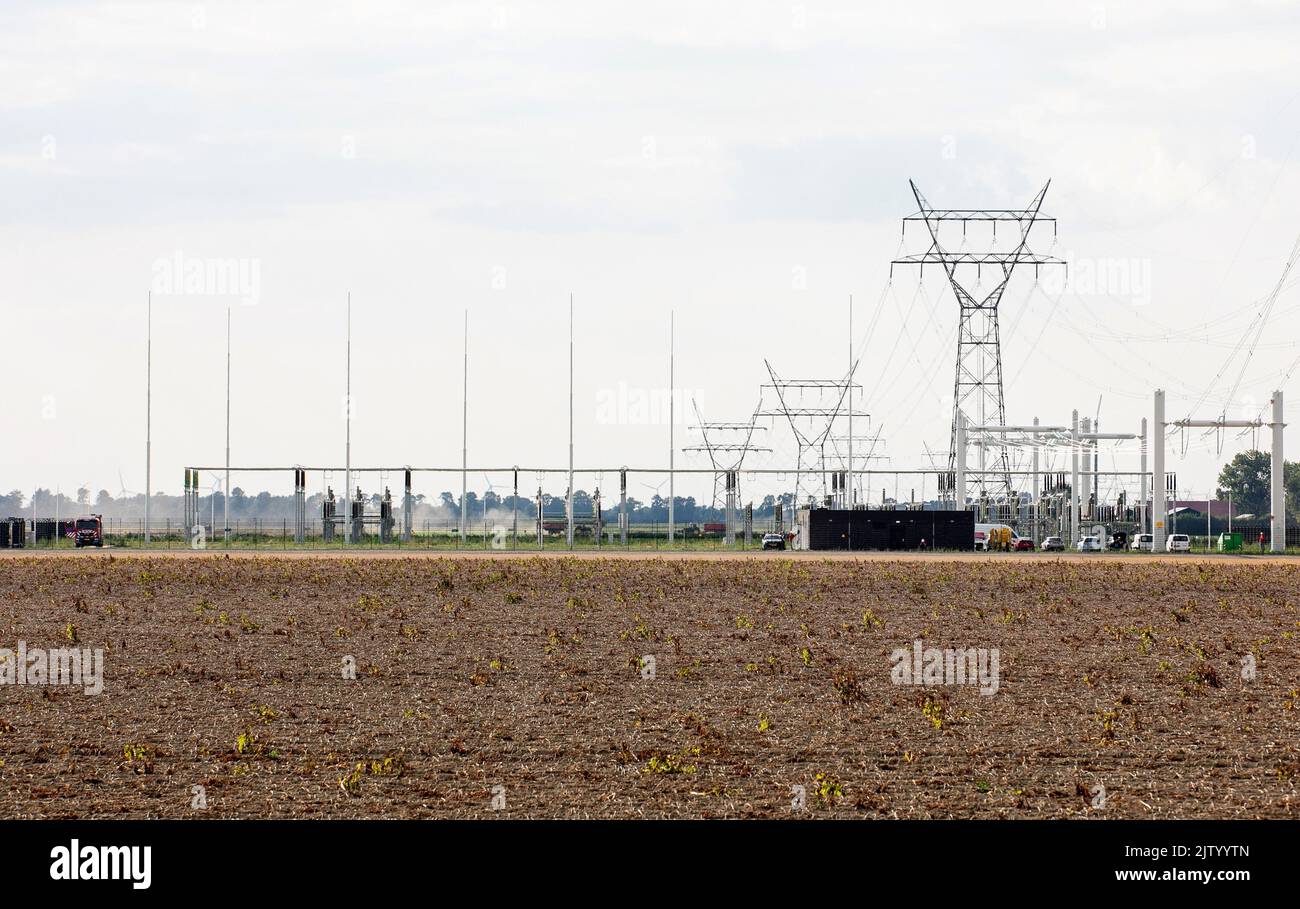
x=103, y=500
x=658, y=510
x=685, y=509
x=1246, y=479
x=11, y=505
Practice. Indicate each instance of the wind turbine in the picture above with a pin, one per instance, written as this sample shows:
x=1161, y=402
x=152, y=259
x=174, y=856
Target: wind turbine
x=123, y=492
x=657, y=488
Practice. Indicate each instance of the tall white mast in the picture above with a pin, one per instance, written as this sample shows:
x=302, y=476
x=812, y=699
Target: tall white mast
x=464, y=435
x=672, y=394
x=570, y=493
x=347, y=404
x=148, y=414
x=225, y=491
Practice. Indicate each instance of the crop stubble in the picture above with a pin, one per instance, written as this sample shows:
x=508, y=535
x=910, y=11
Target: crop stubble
x=527, y=674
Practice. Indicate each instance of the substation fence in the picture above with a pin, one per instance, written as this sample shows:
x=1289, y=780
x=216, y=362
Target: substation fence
x=542, y=508
x=431, y=535
x=443, y=536
x=535, y=507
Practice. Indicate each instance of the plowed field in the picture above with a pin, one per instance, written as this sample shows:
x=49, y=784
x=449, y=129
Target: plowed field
x=520, y=687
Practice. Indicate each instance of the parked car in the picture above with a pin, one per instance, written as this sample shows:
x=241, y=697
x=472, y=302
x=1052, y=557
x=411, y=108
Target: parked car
x=773, y=541
x=1023, y=544
x=1178, y=542
x=1142, y=542
x=1089, y=544
x=1053, y=544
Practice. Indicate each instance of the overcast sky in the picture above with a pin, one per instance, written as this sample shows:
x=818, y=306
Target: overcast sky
x=745, y=165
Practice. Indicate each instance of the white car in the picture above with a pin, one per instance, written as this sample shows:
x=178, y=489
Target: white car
x=1178, y=542
x=773, y=541
x=1089, y=544
x=1142, y=542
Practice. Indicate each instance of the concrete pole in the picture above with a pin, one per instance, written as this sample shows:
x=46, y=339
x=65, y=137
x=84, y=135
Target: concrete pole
x=1094, y=464
x=1277, y=482
x=1036, y=497
x=1159, y=510
x=622, y=505
x=959, y=491
x=1074, y=478
x=1144, y=517
x=729, y=538
x=540, y=515
x=408, y=508
x=1085, y=477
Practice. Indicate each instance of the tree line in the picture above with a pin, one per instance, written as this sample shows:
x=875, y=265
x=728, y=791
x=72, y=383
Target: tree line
x=445, y=507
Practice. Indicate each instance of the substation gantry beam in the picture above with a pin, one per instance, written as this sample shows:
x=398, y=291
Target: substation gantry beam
x=1072, y=434
x=1277, y=480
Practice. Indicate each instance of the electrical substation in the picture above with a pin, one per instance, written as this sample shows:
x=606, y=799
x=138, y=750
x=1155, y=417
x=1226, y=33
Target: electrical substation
x=809, y=464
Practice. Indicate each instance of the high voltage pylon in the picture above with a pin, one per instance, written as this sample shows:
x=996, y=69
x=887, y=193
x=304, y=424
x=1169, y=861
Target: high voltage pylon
x=827, y=404
x=726, y=445
x=977, y=386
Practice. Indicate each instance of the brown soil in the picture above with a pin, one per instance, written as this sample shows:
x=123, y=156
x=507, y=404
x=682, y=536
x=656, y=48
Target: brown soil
x=770, y=673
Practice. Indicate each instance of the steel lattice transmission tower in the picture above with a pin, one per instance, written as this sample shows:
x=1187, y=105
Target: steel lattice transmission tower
x=726, y=445
x=977, y=386
x=828, y=404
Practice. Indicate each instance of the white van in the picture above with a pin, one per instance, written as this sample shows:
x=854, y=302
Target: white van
x=984, y=531
x=1178, y=542
x=1142, y=542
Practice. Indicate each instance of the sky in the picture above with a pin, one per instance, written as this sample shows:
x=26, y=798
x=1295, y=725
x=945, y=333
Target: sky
x=740, y=168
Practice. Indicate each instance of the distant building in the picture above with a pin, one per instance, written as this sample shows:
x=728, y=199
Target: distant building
x=1192, y=508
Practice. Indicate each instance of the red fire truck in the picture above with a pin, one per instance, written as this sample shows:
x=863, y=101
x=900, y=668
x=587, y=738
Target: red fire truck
x=89, y=530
